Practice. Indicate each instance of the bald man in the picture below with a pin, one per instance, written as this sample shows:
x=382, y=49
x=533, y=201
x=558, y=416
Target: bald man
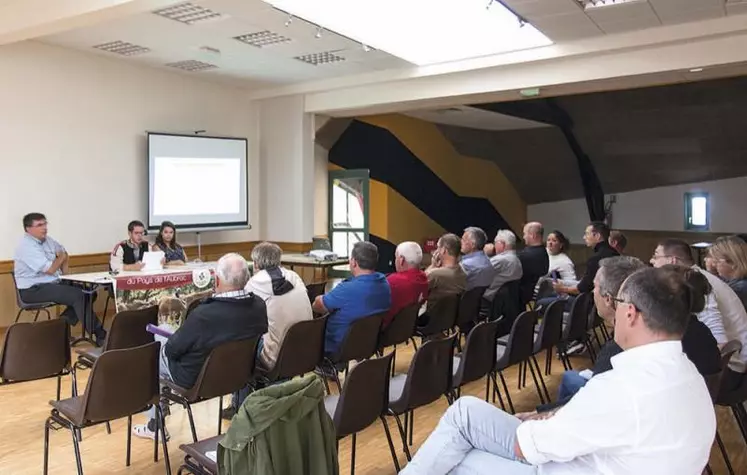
x=534, y=260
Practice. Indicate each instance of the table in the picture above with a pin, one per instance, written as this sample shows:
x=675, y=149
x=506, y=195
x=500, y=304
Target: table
x=304, y=260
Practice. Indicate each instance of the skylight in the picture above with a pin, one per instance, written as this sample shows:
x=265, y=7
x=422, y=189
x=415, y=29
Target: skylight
x=422, y=31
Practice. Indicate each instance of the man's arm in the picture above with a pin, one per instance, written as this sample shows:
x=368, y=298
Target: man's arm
x=185, y=337
x=318, y=305
x=712, y=318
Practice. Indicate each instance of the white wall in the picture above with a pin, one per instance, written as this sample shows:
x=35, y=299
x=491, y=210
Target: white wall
x=654, y=209
x=72, y=141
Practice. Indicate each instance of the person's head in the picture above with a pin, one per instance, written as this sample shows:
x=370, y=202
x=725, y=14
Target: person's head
x=167, y=234
x=609, y=278
x=473, y=239
x=533, y=234
x=618, y=241
x=363, y=258
x=266, y=255
x=557, y=243
x=653, y=305
x=35, y=224
x=595, y=233
x=231, y=273
x=730, y=257
x=710, y=263
x=448, y=247
x=672, y=251
x=505, y=240
x=699, y=285
x=136, y=232
x=408, y=255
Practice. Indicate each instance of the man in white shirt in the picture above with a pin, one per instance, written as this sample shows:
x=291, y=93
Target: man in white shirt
x=651, y=414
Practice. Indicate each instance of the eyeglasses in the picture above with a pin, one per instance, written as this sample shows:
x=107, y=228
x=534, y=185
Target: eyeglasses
x=41, y=224
x=616, y=301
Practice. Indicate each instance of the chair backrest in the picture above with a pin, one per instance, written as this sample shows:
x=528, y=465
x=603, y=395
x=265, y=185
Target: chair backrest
x=19, y=300
x=401, y=328
x=478, y=357
x=364, y=397
x=128, y=328
x=442, y=316
x=579, y=318
x=122, y=382
x=713, y=381
x=361, y=340
x=301, y=351
x=228, y=368
x=315, y=290
x=469, y=306
x=506, y=304
x=520, y=345
x=551, y=327
x=430, y=373
x=35, y=350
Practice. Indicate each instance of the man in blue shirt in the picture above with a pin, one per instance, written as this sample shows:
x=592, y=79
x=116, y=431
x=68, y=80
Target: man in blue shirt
x=366, y=293
x=474, y=262
x=39, y=262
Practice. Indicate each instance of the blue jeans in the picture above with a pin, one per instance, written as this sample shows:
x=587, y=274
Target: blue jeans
x=163, y=368
x=473, y=437
x=571, y=383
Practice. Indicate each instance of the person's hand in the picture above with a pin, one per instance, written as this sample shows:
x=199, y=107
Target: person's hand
x=557, y=286
x=525, y=416
x=139, y=265
x=163, y=261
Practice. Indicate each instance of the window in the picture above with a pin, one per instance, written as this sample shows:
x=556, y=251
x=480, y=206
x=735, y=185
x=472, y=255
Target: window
x=697, y=212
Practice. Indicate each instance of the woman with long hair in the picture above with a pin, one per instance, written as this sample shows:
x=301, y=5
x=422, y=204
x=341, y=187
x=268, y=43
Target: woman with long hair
x=729, y=255
x=166, y=242
x=557, y=245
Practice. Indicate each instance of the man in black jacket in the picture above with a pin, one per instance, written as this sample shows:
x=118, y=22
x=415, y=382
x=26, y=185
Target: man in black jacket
x=230, y=314
x=534, y=260
x=596, y=236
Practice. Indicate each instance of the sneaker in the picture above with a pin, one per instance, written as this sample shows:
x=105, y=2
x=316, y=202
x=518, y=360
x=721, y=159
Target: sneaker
x=142, y=431
x=576, y=349
x=228, y=413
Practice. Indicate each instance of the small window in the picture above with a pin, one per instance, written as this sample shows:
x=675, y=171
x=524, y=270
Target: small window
x=697, y=212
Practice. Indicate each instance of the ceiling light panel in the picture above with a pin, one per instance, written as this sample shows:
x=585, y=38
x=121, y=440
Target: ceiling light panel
x=189, y=13
x=421, y=31
x=192, y=65
x=325, y=57
x=263, y=38
x=122, y=48
x=591, y=4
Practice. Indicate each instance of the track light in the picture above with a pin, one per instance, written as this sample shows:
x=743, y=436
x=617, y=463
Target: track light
x=365, y=47
x=522, y=22
x=289, y=21
x=318, y=32
x=490, y=3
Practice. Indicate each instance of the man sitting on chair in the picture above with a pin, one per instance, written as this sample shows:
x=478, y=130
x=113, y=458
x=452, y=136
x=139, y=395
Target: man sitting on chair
x=128, y=255
x=409, y=285
x=38, y=264
x=231, y=314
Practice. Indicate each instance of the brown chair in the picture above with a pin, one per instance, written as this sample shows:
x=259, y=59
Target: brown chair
x=315, y=290
x=363, y=400
x=36, y=350
x=360, y=343
x=477, y=359
x=440, y=319
x=576, y=327
x=122, y=383
x=400, y=330
x=427, y=379
x=713, y=382
x=30, y=307
x=195, y=460
x=518, y=349
x=301, y=351
x=226, y=370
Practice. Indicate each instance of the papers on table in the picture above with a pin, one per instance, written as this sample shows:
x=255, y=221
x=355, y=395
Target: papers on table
x=152, y=260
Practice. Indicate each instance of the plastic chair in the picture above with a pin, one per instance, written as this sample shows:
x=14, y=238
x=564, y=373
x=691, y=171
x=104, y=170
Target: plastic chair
x=30, y=307
x=477, y=359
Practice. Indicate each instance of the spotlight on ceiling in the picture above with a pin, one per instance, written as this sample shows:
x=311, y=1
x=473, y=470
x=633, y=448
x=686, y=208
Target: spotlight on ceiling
x=318, y=32
x=289, y=20
x=696, y=70
x=365, y=47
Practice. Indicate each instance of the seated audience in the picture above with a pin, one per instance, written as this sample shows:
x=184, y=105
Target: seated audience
x=231, y=314
x=724, y=314
x=697, y=342
x=366, y=293
x=174, y=254
x=409, y=285
x=651, y=414
x=128, y=255
x=534, y=260
x=561, y=266
x=596, y=237
x=445, y=276
x=474, y=261
x=506, y=264
x=730, y=257
x=38, y=263
x=618, y=241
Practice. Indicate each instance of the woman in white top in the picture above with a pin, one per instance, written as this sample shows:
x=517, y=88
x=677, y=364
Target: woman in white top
x=557, y=244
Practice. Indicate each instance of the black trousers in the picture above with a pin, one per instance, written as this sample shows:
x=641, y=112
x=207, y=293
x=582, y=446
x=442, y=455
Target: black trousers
x=63, y=294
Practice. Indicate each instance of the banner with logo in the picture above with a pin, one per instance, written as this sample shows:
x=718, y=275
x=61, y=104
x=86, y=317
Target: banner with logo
x=171, y=291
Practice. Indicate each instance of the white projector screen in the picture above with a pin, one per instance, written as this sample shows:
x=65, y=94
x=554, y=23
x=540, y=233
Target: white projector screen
x=197, y=182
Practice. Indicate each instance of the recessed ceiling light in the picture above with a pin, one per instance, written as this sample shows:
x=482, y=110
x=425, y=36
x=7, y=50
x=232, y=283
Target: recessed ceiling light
x=189, y=13
x=263, y=38
x=696, y=70
x=191, y=65
x=446, y=31
x=321, y=58
x=123, y=48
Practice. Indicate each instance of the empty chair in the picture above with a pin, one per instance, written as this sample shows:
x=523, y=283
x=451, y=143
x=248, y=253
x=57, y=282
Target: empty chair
x=34, y=351
x=363, y=399
x=401, y=329
x=301, y=351
x=469, y=308
x=440, y=319
x=547, y=337
x=506, y=306
x=519, y=349
x=315, y=290
x=360, y=342
x=122, y=383
x=427, y=379
x=226, y=370
x=30, y=307
x=196, y=460
x=477, y=359
x=576, y=327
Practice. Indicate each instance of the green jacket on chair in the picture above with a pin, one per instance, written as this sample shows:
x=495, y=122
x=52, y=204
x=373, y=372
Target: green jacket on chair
x=281, y=430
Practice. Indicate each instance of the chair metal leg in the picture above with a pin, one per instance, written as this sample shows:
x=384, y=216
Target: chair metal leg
x=402, y=435
x=548, y=362
x=220, y=419
x=164, y=442
x=18, y=315
x=394, y=358
x=487, y=388
x=59, y=386
x=412, y=423
x=724, y=454
x=46, y=445
x=191, y=422
x=542, y=380
x=391, y=444
x=415, y=345
x=36, y=315
x=497, y=391
x=76, y=446
x=157, y=433
x=108, y=428
x=49, y=316
x=536, y=383
x=352, y=457
x=741, y=416
x=129, y=439
x=508, y=396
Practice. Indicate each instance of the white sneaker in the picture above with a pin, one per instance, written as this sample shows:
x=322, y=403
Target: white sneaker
x=142, y=431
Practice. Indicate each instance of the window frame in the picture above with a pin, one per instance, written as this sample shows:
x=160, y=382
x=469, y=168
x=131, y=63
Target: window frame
x=689, y=226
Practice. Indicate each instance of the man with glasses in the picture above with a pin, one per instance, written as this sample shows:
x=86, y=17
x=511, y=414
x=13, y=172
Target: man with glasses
x=39, y=262
x=128, y=255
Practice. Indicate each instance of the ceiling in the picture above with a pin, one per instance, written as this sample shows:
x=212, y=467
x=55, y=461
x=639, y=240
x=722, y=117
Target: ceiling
x=465, y=116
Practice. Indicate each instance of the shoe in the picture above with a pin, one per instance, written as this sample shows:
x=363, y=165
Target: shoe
x=576, y=349
x=142, y=431
x=228, y=413
x=325, y=372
